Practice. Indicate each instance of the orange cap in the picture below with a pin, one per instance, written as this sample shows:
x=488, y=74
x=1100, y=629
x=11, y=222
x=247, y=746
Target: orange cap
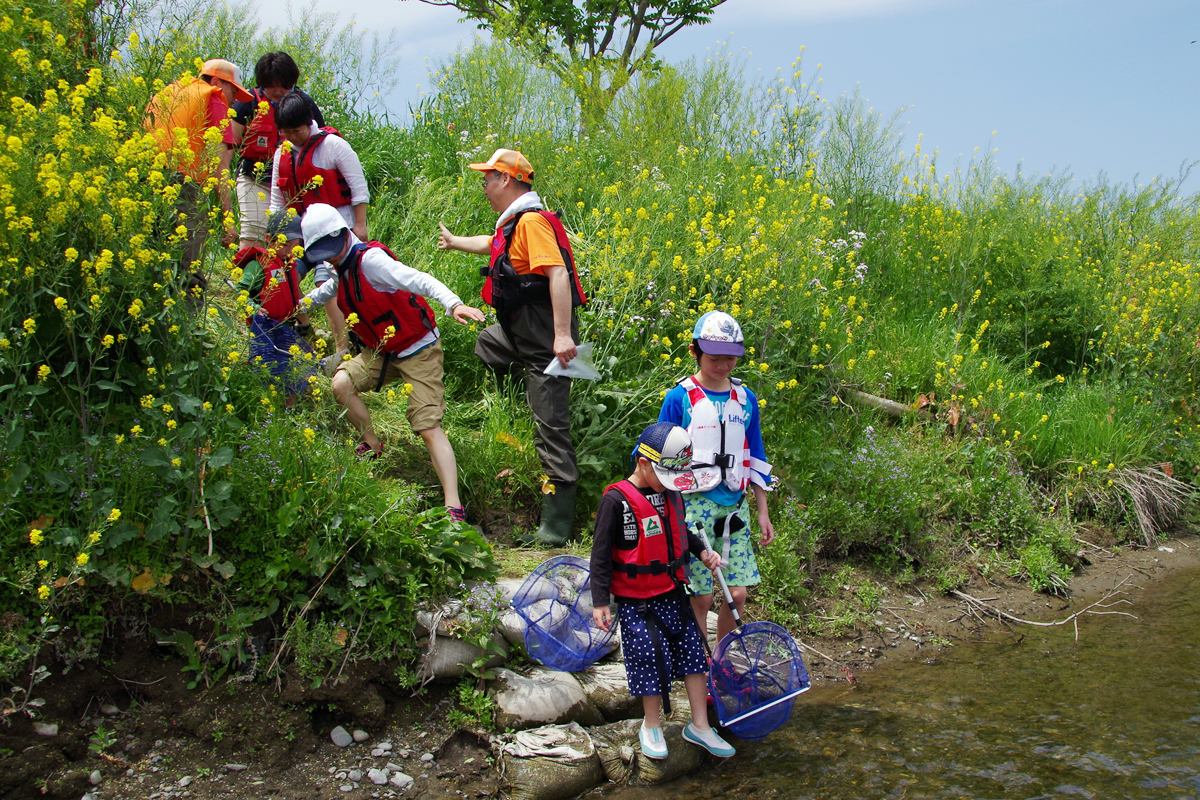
x=226, y=71
x=510, y=162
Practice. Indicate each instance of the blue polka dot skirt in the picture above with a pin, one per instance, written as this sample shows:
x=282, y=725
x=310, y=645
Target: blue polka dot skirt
x=684, y=656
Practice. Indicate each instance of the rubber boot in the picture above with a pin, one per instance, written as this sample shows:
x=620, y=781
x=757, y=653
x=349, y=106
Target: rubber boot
x=558, y=512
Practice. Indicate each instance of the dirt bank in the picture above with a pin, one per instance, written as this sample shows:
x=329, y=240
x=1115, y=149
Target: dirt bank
x=131, y=717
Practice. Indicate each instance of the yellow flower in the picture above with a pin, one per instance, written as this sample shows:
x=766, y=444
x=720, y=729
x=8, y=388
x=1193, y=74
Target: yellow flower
x=60, y=303
x=135, y=430
x=93, y=537
x=114, y=515
x=763, y=367
x=43, y=373
x=175, y=462
x=147, y=401
x=107, y=341
x=35, y=537
x=81, y=559
x=120, y=437
x=5, y=343
x=43, y=563
x=1060, y=379
x=310, y=435
x=171, y=424
x=228, y=408
x=29, y=325
x=762, y=403
x=43, y=592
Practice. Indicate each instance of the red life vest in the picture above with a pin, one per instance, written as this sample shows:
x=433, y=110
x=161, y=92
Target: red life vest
x=657, y=564
x=296, y=173
x=280, y=292
x=262, y=134
x=407, y=312
x=504, y=284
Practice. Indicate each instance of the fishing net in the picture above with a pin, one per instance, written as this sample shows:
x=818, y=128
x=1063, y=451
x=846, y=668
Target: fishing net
x=755, y=677
x=556, y=604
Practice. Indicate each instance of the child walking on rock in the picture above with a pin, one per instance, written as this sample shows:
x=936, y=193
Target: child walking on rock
x=640, y=555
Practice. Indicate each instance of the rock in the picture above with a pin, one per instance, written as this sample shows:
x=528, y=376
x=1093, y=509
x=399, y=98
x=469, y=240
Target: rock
x=606, y=686
x=109, y=710
x=129, y=773
x=384, y=746
x=341, y=737
x=549, y=763
x=354, y=775
x=426, y=758
x=506, y=589
x=95, y=777
x=544, y=697
x=235, y=767
x=378, y=752
x=185, y=781
x=448, y=655
x=360, y=736
x=512, y=627
x=377, y=776
x=682, y=757
x=346, y=787
x=45, y=729
x=403, y=752
x=390, y=767
x=400, y=780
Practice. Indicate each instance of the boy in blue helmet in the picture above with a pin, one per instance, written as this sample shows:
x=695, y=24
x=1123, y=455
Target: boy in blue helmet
x=721, y=416
x=640, y=554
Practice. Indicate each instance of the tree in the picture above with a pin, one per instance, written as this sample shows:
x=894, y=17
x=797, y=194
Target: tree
x=594, y=46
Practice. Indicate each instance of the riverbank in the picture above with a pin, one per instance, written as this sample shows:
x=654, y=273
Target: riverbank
x=131, y=718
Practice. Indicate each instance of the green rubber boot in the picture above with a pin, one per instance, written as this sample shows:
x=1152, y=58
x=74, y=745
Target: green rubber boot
x=558, y=512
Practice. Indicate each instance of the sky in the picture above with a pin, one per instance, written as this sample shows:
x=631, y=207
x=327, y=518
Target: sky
x=1076, y=87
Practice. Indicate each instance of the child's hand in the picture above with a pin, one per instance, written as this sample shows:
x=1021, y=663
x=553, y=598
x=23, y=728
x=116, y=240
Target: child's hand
x=768, y=530
x=711, y=559
x=602, y=618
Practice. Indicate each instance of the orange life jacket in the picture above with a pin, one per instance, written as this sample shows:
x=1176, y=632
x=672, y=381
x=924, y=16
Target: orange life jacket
x=185, y=107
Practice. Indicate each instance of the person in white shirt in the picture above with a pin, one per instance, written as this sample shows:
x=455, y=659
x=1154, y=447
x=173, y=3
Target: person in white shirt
x=316, y=166
x=384, y=304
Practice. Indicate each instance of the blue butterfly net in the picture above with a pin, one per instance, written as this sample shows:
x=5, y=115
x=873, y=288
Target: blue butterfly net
x=755, y=677
x=556, y=604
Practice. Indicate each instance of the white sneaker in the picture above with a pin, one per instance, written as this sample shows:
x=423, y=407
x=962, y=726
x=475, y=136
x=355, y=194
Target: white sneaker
x=708, y=739
x=653, y=743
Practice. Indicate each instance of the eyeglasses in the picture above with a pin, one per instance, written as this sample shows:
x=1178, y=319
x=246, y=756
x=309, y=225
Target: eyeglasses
x=489, y=178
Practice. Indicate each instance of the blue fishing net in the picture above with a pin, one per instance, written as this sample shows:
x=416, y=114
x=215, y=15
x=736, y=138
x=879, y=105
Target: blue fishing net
x=755, y=677
x=556, y=604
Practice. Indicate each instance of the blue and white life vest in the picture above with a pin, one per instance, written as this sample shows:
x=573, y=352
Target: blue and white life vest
x=720, y=449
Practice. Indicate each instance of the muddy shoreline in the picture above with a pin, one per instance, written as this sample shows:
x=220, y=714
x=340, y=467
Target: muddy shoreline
x=162, y=740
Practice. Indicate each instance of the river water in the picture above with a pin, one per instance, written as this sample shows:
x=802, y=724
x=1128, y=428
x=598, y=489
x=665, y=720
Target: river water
x=1115, y=714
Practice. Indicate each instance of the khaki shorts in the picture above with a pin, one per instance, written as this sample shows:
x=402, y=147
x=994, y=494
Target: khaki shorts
x=253, y=209
x=422, y=370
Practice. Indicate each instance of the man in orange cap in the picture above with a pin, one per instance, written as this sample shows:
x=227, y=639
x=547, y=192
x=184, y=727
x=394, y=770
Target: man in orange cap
x=532, y=284
x=197, y=106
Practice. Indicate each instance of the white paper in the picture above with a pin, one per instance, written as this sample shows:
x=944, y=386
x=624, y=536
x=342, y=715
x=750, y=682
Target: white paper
x=580, y=366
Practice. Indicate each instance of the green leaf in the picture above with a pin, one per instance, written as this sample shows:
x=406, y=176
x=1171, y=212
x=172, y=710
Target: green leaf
x=225, y=569
x=188, y=404
x=221, y=458
x=16, y=478
x=57, y=480
x=156, y=456
x=70, y=368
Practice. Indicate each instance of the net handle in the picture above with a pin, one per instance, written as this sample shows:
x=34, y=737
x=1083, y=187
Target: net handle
x=737, y=618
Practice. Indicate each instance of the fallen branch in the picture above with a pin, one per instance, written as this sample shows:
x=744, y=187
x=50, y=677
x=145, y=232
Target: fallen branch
x=976, y=604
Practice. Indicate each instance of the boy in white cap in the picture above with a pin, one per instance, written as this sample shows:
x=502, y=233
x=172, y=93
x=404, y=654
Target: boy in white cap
x=640, y=552
x=721, y=416
x=384, y=304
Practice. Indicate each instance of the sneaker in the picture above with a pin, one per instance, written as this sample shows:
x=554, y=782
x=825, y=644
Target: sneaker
x=457, y=513
x=365, y=452
x=708, y=739
x=653, y=744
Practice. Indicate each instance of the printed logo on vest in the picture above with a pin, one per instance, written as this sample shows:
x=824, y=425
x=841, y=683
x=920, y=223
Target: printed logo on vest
x=262, y=141
x=651, y=526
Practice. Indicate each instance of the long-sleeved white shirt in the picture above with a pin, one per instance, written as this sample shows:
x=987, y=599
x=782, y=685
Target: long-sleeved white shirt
x=333, y=153
x=389, y=276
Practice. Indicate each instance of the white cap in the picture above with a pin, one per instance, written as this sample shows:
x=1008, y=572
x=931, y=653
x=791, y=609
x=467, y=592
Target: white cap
x=322, y=221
